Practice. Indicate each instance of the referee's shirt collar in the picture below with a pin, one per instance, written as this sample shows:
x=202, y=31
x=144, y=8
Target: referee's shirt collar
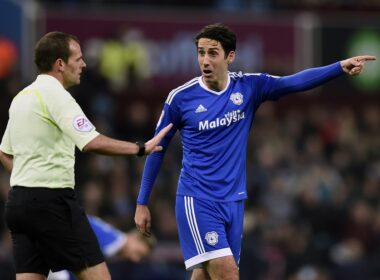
x=45, y=78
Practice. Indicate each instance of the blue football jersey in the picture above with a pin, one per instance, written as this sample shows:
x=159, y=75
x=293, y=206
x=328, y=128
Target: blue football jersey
x=214, y=128
x=110, y=239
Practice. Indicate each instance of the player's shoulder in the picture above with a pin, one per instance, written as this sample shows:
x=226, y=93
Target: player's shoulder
x=94, y=221
x=183, y=89
x=100, y=226
x=243, y=75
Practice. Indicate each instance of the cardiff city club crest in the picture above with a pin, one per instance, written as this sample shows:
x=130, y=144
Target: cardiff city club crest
x=236, y=98
x=212, y=238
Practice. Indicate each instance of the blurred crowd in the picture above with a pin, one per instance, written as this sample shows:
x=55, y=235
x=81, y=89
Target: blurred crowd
x=313, y=211
x=237, y=5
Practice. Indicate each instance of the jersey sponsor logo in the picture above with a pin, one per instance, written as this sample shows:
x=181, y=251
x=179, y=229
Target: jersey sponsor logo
x=200, y=109
x=227, y=120
x=212, y=238
x=81, y=123
x=236, y=98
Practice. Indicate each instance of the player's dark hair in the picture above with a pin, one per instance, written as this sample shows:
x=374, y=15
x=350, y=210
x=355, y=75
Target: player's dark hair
x=220, y=33
x=50, y=47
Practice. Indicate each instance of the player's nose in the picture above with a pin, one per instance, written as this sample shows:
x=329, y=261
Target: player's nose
x=205, y=63
x=206, y=60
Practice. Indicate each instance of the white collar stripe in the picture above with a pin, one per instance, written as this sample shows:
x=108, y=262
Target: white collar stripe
x=178, y=89
x=203, y=85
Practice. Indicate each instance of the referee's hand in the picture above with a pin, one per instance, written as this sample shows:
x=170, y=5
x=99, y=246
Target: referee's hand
x=152, y=145
x=143, y=219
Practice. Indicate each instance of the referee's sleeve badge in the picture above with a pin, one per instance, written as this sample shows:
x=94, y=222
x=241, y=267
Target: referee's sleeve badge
x=82, y=124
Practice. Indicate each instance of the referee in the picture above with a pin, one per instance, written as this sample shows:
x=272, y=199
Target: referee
x=49, y=229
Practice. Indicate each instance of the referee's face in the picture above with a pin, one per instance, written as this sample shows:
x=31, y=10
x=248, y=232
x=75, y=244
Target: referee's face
x=213, y=63
x=74, y=66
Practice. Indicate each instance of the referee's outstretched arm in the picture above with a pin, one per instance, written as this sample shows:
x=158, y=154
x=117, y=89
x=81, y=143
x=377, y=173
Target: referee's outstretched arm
x=109, y=146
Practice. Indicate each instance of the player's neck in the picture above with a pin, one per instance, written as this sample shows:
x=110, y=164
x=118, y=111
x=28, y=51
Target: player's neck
x=217, y=85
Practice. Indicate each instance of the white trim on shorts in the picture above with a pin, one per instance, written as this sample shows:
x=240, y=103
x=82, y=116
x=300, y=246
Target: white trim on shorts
x=192, y=221
x=196, y=261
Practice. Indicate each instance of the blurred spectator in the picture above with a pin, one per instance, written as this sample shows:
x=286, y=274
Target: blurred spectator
x=125, y=62
x=8, y=58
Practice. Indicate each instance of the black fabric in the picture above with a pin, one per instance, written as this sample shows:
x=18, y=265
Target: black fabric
x=50, y=231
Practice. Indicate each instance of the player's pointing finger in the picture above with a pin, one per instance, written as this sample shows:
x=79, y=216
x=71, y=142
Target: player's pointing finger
x=366, y=57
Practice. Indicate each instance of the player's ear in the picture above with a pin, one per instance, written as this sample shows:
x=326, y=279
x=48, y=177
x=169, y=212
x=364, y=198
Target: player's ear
x=231, y=57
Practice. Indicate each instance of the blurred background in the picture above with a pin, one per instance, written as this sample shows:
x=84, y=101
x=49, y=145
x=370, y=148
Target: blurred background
x=313, y=211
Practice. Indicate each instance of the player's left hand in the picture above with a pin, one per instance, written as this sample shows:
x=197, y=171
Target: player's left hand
x=354, y=66
x=143, y=220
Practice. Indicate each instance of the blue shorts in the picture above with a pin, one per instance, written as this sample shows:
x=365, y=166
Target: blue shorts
x=208, y=229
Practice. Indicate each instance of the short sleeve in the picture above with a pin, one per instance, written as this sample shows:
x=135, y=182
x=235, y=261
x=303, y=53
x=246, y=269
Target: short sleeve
x=5, y=145
x=70, y=118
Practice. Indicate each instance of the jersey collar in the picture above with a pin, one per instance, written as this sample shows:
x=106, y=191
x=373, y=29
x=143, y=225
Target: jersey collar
x=203, y=85
x=49, y=79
